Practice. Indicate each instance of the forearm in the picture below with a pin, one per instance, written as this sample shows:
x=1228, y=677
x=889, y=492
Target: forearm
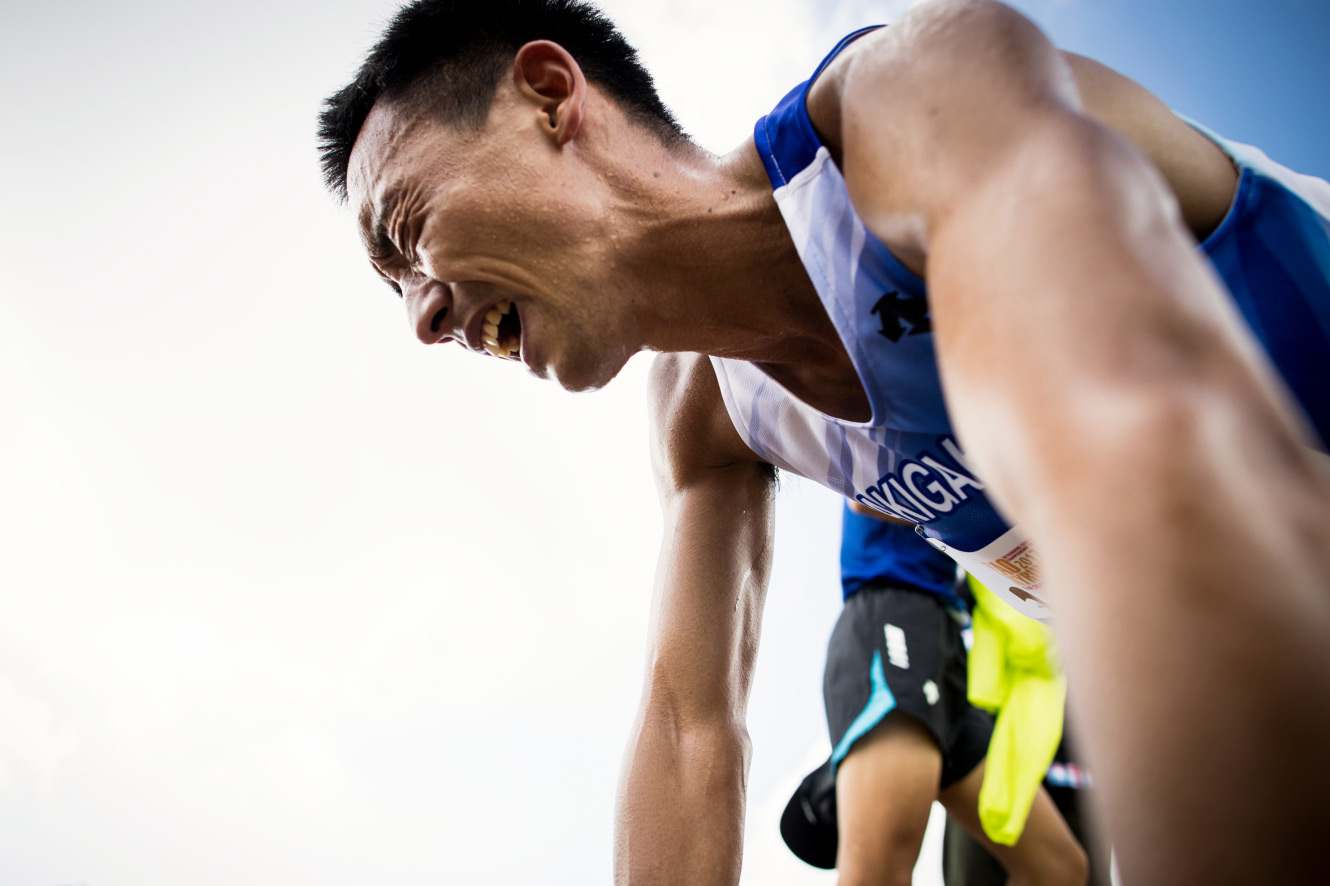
x=1100, y=380
x=1200, y=631
x=680, y=810
x=1135, y=433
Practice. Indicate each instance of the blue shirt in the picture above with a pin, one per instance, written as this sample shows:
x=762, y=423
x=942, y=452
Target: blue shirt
x=873, y=550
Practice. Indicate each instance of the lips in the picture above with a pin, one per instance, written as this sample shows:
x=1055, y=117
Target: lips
x=502, y=332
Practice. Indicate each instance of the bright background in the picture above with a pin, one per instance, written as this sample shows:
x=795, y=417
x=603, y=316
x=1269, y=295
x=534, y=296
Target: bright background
x=287, y=599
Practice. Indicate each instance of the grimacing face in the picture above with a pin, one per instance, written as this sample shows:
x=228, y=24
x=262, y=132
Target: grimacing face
x=493, y=240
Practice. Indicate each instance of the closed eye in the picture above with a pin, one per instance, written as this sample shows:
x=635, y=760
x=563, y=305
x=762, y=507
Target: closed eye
x=386, y=279
x=380, y=246
x=403, y=236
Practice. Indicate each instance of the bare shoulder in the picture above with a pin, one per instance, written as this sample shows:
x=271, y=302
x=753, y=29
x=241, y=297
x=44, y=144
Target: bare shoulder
x=932, y=57
x=691, y=429
x=940, y=94
x=1199, y=173
x=917, y=113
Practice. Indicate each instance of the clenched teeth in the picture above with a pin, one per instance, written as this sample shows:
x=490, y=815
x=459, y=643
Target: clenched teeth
x=500, y=348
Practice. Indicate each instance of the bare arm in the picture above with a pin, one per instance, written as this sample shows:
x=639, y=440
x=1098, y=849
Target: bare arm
x=681, y=798
x=1059, y=272
x=1119, y=411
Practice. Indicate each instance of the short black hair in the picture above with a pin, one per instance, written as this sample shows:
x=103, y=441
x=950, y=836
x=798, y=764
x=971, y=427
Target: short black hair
x=457, y=51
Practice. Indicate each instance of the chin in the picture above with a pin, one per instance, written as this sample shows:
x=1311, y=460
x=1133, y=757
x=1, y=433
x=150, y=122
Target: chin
x=587, y=374
x=577, y=383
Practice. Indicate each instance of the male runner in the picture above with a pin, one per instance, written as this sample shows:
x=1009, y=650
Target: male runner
x=903, y=731
x=949, y=202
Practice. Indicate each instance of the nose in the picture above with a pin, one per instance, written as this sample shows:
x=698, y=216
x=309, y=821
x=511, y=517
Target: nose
x=429, y=310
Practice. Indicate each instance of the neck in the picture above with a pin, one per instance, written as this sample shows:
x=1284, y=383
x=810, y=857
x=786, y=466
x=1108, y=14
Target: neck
x=711, y=262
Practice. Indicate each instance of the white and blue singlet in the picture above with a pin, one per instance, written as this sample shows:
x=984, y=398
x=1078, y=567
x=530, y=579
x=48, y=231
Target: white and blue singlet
x=1272, y=251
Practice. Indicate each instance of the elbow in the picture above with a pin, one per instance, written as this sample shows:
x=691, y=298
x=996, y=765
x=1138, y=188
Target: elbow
x=683, y=761
x=697, y=724
x=719, y=752
x=706, y=733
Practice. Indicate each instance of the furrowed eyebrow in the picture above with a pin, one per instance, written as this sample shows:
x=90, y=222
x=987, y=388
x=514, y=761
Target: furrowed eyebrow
x=374, y=234
x=374, y=230
x=380, y=245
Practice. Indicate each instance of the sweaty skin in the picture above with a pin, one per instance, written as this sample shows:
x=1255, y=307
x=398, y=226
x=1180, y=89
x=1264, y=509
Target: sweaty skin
x=1095, y=372
x=969, y=116
x=1124, y=433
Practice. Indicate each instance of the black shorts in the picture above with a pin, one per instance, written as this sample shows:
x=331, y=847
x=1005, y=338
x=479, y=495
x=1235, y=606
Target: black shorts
x=899, y=649
x=894, y=650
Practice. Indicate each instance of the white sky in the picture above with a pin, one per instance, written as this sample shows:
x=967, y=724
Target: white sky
x=287, y=598
x=284, y=597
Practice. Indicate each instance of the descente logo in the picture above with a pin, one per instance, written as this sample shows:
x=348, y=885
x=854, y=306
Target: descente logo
x=922, y=488
x=902, y=315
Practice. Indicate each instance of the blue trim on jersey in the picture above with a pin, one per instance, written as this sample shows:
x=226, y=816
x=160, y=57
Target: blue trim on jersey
x=1273, y=253
x=880, y=703
x=836, y=50
x=786, y=140
x=909, y=282
x=782, y=142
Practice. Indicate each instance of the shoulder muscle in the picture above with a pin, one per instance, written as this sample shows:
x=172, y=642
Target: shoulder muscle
x=938, y=97
x=692, y=434
x=921, y=108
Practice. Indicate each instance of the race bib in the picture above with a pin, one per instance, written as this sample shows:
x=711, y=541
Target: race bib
x=1009, y=567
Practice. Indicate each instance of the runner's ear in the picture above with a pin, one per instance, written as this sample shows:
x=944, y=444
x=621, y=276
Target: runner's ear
x=549, y=77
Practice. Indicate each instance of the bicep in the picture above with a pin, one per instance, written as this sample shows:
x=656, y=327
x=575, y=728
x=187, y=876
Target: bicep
x=923, y=111
x=1067, y=298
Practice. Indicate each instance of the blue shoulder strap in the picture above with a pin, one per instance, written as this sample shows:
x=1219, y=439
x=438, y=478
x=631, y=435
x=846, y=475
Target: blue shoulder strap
x=839, y=47
x=785, y=138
